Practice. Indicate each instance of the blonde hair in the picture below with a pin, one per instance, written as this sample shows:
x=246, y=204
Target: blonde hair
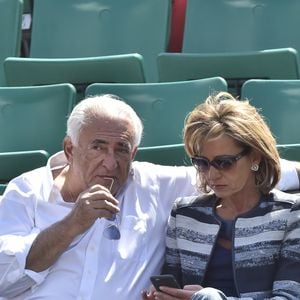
x=223, y=114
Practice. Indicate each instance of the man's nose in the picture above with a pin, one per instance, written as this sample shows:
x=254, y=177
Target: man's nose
x=109, y=161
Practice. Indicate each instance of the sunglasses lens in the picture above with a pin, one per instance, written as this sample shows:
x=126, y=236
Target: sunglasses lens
x=223, y=163
x=201, y=164
x=112, y=232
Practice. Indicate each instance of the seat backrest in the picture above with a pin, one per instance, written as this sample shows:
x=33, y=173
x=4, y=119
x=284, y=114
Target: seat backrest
x=10, y=31
x=84, y=28
x=162, y=106
x=279, y=102
x=236, y=68
x=80, y=72
x=289, y=151
x=34, y=118
x=234, y=25
x=15, y=163
x=169, y=155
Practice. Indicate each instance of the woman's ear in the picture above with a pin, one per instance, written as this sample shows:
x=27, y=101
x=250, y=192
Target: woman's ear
x=255, y=157
x=68, y=149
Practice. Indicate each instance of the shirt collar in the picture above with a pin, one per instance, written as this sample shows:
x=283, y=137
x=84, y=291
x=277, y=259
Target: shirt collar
x=59, y=160
x=56, y=161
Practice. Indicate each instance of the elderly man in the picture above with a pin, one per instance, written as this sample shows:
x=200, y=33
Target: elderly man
x=90, y=224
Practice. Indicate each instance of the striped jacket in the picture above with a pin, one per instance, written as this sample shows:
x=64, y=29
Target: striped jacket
x=266, y=245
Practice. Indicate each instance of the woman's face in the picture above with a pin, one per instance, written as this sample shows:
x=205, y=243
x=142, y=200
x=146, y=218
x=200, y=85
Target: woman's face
x=237, y=178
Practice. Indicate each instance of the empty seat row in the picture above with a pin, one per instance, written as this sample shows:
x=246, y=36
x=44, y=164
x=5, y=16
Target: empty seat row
x=92, y=28
x=129, y=68
x=232, y=39
x=33, y=119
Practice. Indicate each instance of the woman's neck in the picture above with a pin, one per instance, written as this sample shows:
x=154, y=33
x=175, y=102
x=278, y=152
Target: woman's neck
x=229, y=208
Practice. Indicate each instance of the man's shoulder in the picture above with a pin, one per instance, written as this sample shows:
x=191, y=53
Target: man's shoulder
x=29, y=185
x=291, y=198
x=151, y=169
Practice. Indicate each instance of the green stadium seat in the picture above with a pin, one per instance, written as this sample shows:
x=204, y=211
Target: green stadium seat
x=88, y=28
x=175, y=155
x=279, y=103
x=162, y=106
x=232, y=26
x=236, y=68
x=10, y=31
x=80, y=72
x=15, y=163
x=34, y=118
x=2, y=188
x=170, y=155
x=289, y=151
x=214, y=26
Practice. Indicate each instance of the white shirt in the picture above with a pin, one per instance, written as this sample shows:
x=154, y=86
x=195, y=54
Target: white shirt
x=92, y=267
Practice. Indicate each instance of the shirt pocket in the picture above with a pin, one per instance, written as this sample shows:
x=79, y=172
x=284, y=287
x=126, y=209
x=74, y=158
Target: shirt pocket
x=132, y=244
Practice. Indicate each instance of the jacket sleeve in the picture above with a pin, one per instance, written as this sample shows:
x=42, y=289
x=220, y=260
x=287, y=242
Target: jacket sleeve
x=172, y=259
x=287, y=281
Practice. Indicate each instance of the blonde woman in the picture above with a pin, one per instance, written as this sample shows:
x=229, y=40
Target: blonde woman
x=241, y=239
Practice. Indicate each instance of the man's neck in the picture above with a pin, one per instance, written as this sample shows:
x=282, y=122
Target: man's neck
x=63, y=181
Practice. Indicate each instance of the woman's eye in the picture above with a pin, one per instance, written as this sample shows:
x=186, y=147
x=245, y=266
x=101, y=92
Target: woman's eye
x=224, y=164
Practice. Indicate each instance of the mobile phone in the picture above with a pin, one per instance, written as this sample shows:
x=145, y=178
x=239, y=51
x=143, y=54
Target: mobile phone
x=164, y=280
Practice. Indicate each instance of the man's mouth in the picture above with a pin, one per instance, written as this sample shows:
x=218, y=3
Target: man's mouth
x=109, y=182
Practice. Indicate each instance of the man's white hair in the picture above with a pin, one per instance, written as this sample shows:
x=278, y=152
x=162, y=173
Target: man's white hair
x=102, y=105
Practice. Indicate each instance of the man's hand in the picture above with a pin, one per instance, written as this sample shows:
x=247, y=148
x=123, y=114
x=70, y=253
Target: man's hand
x=95, y=202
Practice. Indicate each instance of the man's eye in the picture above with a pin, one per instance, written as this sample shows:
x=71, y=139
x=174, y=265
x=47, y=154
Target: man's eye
x=97, y=147
x=123, y=150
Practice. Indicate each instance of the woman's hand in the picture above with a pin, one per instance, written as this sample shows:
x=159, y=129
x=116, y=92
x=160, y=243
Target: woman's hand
x=149, y=295
x=172, y=294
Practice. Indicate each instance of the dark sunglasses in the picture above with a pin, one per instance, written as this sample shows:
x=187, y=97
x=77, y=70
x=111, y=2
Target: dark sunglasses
x=224, y=162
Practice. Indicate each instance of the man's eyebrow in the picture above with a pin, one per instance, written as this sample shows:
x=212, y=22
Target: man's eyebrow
x=104, y=142
x=99, y=141
x=126, y=145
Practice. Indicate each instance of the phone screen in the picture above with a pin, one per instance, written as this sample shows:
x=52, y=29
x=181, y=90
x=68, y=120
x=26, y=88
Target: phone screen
x=164, y=280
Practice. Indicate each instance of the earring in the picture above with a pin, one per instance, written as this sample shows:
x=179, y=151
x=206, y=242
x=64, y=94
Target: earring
x=254, y=167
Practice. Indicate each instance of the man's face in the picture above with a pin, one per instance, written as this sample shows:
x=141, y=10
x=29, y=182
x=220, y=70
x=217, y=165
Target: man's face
x=104, y=151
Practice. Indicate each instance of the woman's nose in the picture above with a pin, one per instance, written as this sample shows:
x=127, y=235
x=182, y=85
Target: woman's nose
x=213, y=173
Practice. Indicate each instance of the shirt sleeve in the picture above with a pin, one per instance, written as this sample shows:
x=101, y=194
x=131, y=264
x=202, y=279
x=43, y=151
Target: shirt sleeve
x=17, y=233
x=289, y=178
x=177, y=182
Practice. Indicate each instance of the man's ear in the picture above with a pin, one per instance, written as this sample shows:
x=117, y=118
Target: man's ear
x=68, y=149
